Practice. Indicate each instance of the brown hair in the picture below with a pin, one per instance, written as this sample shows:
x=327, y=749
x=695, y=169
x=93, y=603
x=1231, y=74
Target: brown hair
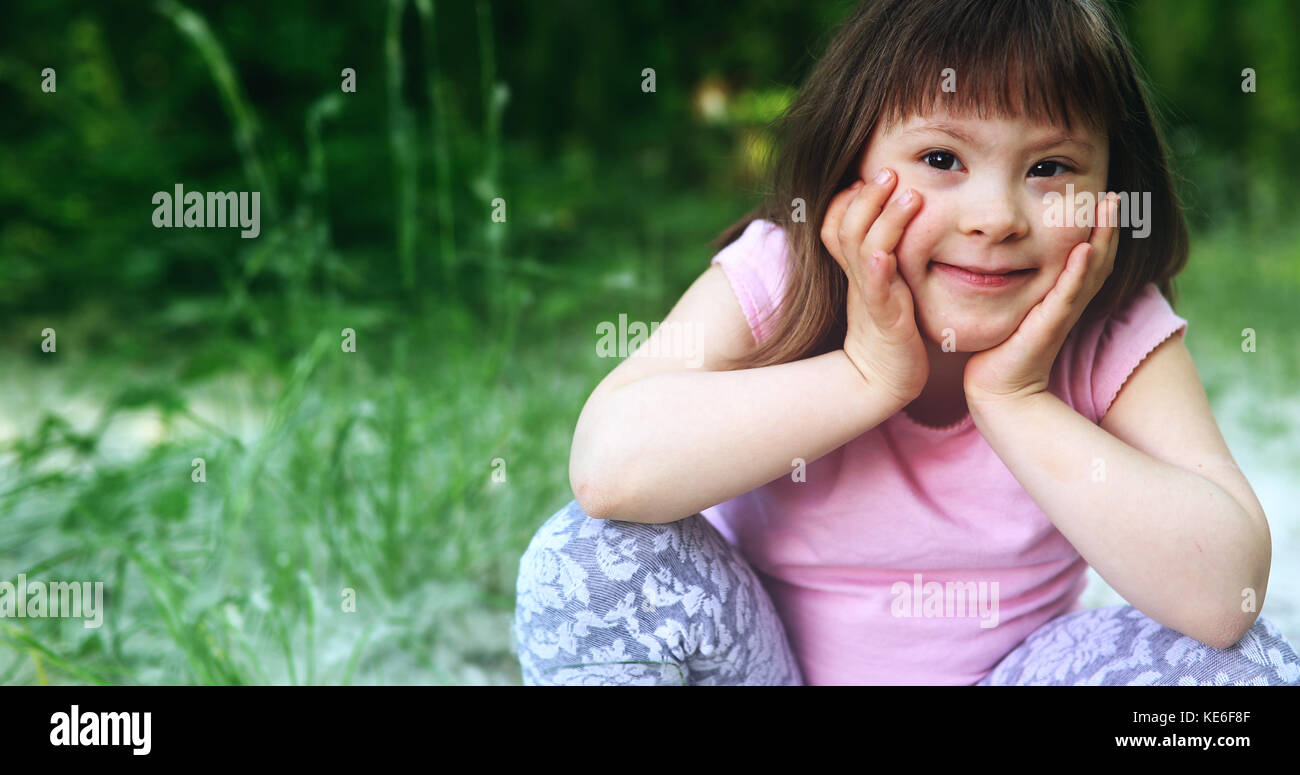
x=1073, y=65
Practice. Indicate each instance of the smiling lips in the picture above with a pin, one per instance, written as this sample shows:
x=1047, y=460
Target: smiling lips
x=991, y=279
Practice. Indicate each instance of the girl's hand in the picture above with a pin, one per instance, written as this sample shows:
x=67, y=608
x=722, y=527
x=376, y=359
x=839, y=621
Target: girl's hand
x=882, y=340
x=1022, y=365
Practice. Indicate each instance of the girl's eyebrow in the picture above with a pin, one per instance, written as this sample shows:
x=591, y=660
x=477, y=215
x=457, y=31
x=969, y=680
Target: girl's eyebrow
x=956, y=132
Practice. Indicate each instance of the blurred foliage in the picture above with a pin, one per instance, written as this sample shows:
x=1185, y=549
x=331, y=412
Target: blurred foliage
x=144, y=102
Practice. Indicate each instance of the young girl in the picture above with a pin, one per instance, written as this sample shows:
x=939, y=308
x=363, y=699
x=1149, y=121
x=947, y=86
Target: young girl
x=933, y=381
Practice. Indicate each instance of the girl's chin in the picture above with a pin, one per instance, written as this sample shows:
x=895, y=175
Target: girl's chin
x=956, y=338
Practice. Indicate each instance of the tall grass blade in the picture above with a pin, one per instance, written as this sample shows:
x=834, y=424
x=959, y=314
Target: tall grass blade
x=195, y=28
x=401, y=138
x=441, y=147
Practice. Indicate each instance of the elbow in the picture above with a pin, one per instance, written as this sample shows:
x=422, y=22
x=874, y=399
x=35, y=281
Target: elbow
x=592, y=487
x=1246, y=605
x=1228, y=631
x=604, y=492
x=591, y=468
x=609, y=483
x=1224, y=632
x=592, y=498
x=1226, y=635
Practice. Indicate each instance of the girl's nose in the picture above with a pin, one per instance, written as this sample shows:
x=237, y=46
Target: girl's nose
x=993, y=214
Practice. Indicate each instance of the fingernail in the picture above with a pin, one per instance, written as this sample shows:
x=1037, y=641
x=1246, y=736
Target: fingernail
x=906, y=199
x=856, y=185
x=882, y=177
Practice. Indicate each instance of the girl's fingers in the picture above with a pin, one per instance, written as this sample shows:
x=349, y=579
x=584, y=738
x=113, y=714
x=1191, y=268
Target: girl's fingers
x=876, y=289
x=863, y=211
x=1097, y=254
x=1076, y=272
x=1105, y=239
x=831, y=223
x=861, y=230
x=1057, y=310
x=886, y=232
x=882, y=302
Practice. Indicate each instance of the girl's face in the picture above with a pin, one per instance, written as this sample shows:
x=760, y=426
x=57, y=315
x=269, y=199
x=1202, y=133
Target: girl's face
x=982, y=184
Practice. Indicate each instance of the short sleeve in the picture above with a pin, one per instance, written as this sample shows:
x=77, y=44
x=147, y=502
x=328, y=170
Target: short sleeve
x=756, y=266
x=1108, y=351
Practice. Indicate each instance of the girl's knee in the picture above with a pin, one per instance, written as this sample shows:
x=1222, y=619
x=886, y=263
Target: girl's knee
x=571, y=542
x=575, y=561
x=559, y=529
x=1119, y=645
x=1265, y=654
x=603, y=593
x=578, y=615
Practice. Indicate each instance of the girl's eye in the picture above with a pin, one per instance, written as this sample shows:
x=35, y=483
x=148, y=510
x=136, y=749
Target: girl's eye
x=941, y=160
x=1048, y=167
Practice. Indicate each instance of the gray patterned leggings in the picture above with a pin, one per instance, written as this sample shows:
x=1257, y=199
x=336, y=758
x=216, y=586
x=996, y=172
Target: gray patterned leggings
x=609, y=602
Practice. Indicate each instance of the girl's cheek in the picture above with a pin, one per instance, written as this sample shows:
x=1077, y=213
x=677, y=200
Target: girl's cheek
x=1047, y=222
x=916, y=248
x=1064, y=239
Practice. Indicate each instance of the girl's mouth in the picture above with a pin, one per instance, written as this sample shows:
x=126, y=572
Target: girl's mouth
x=982, y=281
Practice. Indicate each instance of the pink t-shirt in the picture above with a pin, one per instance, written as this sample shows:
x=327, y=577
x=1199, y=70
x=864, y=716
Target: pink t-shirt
x=882, y=563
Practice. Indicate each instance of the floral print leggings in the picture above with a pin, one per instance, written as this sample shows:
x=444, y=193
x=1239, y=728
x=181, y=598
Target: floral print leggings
x=625, y=603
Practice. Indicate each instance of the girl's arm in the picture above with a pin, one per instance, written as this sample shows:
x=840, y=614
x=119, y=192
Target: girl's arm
x=1152, y=498
x=662, y=438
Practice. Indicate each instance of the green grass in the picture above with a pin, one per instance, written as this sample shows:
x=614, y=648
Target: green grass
x=1238, y=279
x=326, y=470
x=373, y=478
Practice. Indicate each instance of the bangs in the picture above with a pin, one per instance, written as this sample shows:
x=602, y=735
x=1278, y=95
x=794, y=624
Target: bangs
x=1045, y=60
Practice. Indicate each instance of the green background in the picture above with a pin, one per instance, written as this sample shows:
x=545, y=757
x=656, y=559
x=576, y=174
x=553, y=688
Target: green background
x=329, y=471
